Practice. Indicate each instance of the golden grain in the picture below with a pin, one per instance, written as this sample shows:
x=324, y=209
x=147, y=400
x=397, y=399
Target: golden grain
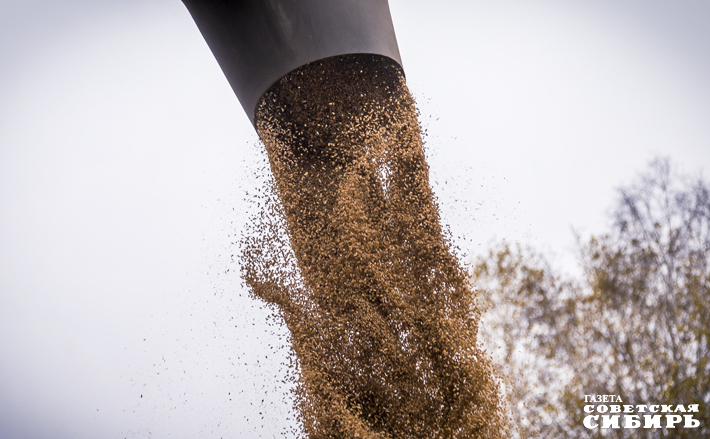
x=383, y=323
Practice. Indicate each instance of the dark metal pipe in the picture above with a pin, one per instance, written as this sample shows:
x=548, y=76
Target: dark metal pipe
x=257, y=42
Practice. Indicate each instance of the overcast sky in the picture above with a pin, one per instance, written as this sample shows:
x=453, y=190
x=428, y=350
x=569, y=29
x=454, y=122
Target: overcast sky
x=125, y=160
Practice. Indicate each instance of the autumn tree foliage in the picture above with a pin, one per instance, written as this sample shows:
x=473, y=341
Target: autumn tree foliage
x=635, y=324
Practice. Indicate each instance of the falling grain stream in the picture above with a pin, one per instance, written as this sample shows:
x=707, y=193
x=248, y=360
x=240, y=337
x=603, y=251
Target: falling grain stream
x=383, y=322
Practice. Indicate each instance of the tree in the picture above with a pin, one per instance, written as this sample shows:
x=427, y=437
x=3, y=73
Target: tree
x=637, y=324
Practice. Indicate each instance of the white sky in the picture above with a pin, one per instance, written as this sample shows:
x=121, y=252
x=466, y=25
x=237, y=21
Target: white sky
x=125, y=160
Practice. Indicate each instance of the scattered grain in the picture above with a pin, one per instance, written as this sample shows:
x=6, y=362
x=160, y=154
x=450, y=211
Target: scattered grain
x=383, y=323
